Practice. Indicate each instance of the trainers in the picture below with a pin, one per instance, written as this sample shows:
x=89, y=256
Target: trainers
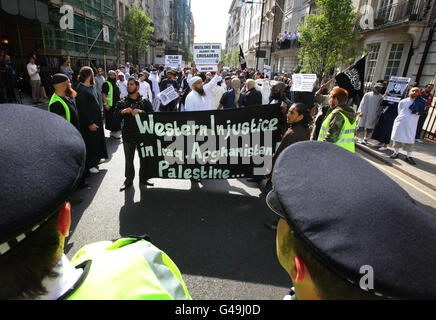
x=94, y=170
x=419, y=141
x=382, y=149
x=411, y=161
x=356, y=139
x=394, y=155
x=365, y=142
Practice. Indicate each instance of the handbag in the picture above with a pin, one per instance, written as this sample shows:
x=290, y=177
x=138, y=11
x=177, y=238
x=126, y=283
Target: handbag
x=43, y=94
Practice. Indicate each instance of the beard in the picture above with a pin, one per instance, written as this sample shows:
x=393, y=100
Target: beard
x=70, y=92
x=200, y=91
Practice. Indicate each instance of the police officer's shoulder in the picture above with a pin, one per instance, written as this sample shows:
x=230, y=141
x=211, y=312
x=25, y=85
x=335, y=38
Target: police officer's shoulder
x=43, y=166
x=375, y=225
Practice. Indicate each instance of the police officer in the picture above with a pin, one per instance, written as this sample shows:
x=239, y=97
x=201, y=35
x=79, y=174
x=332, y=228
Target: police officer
x=43, y=167
x=111, y=94
x=339, y=126
x=339, y=243
x=61, y=102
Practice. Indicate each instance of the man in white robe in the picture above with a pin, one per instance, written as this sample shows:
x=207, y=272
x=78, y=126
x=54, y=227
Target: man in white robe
x=144, y=88
x=370, y=109
x=199, y=98
x=122, y=84
x=404, y=131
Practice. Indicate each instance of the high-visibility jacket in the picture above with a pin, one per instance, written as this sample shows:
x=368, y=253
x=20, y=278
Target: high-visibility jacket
x=110, y=95
x=56, y=98
x=348, y=132
x=127, y=269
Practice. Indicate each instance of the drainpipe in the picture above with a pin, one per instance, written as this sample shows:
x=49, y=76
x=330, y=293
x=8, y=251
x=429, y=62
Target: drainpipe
x=409, y=57
x=425, y=54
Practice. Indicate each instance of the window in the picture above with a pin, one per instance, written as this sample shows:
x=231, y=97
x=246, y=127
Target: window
x=394, y=60
x=371, y=62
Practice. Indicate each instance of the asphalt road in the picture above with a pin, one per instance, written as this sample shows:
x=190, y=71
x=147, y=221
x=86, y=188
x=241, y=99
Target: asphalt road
x=214, y=230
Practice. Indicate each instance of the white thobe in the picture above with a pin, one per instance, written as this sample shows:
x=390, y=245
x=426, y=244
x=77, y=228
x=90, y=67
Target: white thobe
x=405, y=124
x=371, y=108
x=145, y=90
x=195, y=102
x=123, y=88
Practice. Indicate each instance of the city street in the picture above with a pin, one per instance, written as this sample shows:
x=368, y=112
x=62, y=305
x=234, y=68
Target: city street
x=213, y=230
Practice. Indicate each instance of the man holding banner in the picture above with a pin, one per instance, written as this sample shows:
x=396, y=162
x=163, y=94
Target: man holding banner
x=165, y=84
x=126, y=111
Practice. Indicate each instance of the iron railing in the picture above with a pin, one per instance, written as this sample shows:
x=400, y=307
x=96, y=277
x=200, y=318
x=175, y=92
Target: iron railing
x=429, y=129
x=403, y=10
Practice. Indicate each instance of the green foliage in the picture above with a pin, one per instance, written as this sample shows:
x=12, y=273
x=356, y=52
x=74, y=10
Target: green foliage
x=135, y=33
x=231, y=59
x=328, y=37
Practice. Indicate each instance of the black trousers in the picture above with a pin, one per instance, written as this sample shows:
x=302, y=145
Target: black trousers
x=129, y=157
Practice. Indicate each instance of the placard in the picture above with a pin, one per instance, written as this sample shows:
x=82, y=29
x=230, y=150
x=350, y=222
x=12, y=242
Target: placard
x=207, y=55
x=396, y=88
x=168, y=95
x=173, y=62
x=302, y=82
x=216, y=144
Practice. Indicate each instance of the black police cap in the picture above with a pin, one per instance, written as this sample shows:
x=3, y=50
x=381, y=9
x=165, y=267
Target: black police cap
x=349, y=215
x=42, y=158
x=59, y=78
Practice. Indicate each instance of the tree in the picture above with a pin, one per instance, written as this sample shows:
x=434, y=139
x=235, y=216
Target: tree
x=327, y=37
x=135, y=33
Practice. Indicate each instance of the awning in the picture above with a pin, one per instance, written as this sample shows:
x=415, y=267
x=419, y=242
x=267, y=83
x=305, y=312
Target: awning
x=30, y=9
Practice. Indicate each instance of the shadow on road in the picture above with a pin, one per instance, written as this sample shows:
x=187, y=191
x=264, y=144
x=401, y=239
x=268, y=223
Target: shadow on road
x=88, y=195
x=207, y=233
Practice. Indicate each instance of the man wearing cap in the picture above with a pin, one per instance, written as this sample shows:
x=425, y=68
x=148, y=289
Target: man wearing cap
x=144, y=88
x=339, y=126
x=200, y=97
x=339, y=247
x=60, y=102
x=122, y=84
x=35, y=220
x=111, y=95
x=171, y=80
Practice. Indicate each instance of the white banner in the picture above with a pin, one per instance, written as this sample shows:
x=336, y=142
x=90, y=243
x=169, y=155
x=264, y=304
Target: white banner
x=267, y=71
x=173, y=62
x=207, y=55
x=106, y=37
x=302, y=82
x=396, y=88
x=207, y=68
x=168, y=95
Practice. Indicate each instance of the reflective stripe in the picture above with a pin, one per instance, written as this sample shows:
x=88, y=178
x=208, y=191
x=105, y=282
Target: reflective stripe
x=348, y=131
x=324, y=129
x=164, y=273
x=345, y=141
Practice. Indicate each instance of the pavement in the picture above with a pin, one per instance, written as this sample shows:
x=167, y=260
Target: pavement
x=424, y=155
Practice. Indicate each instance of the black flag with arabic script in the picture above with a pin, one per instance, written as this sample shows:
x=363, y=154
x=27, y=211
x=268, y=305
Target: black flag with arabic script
x=353, y=79
x=242, y=59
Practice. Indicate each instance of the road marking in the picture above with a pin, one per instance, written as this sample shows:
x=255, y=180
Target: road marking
x=402, y=179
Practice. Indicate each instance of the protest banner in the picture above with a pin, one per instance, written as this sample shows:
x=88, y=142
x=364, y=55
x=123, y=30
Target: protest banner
x=168, y=95
x=207, y=56
x=173, y=62
x=216, y=144
x=396, y=88
x=302, y=82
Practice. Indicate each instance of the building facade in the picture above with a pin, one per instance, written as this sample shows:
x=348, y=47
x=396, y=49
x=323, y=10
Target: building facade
x=401, y=40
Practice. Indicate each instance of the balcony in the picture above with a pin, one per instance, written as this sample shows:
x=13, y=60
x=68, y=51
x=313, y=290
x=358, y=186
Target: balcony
x=404, y=10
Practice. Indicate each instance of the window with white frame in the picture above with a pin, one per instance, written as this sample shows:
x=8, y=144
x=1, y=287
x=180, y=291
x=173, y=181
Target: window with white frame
x=371, y=62
x=394, y=60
